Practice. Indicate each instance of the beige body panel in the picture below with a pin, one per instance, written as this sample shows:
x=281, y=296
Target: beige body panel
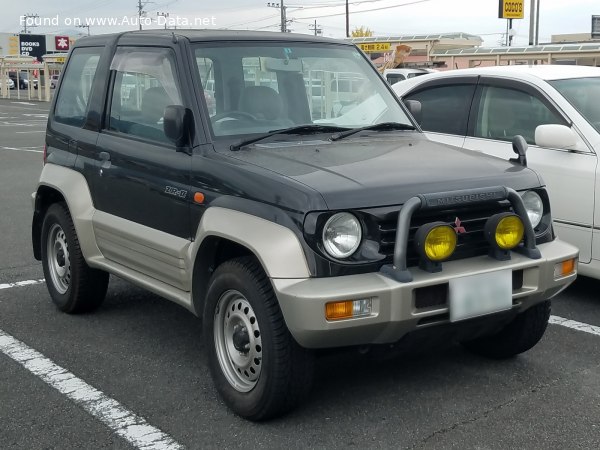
x=276, y=246
x=158, y=261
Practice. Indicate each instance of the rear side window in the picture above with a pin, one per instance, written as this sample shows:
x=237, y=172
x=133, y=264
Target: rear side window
x=145, y=84
x=72, y=102
x=445, y=109
x=504, y=113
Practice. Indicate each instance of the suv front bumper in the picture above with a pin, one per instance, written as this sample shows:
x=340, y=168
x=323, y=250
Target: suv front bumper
x=395, y=311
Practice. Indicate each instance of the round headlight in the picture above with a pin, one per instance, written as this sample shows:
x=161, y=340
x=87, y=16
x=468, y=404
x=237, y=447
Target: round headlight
x=509, y=232
x=534, y=206
x=341, y=235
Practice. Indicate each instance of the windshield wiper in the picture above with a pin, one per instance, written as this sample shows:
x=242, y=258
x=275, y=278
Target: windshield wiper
x=298, y=129
x=378, y=127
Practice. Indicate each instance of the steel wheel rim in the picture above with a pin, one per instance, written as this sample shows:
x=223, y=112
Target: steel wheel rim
x=238, y=341
x=59, y=263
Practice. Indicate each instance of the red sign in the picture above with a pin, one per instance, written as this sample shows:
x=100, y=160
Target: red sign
x=61, y=43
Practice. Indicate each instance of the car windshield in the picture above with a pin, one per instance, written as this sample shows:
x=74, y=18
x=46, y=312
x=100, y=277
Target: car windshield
x=584, y=95
x=253, y=88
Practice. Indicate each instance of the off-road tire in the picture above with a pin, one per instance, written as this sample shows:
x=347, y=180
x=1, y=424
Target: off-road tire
x=520, y=335
x=286, y=370
x=86, y=287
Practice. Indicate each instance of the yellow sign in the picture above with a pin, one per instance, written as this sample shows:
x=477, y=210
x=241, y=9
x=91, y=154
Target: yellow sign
x=60, y=60
x=13, y=45
x=375, y=47
x=511, y=9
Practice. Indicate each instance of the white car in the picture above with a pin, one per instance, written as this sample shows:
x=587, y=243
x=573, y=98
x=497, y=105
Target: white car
x=393, y=76
x=9, y=82
x=556, y=108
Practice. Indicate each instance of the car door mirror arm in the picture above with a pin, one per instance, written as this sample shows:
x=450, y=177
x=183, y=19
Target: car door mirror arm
x=519, y=146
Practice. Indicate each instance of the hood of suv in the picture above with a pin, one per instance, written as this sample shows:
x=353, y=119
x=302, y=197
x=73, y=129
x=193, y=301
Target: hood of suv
x=376, y=171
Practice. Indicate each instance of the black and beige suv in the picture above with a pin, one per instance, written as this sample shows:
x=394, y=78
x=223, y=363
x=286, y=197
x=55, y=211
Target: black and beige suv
x=195, y=164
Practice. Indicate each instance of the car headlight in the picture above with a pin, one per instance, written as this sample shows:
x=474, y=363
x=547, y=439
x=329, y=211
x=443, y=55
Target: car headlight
x=534, y=206
x=341, y=235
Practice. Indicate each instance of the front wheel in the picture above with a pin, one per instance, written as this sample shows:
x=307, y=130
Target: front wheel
x=257, y=366
x=73, y=285
x=520, y=335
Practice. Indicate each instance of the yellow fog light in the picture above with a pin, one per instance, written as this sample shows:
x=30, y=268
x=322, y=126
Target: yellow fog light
x=504, y=232
x=509, y=232
x=436, y=241
x=564, y=268
x=347, y=309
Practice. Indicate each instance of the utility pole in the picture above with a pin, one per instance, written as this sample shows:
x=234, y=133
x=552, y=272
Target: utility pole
x=316, y=28
x=141, y=12
x=510, y=32
x=347, y=19
x=537, y=22
x=29, y=16
x=532, y=23
x=165, y=15
x=85, y=26
x=282, y=8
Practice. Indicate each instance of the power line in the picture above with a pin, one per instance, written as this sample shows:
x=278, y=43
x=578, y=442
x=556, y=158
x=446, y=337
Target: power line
x=368, y=10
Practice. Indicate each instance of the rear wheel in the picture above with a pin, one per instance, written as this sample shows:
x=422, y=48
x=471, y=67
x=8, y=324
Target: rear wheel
x=520, y=335
x=257, y=367
x=73, y=285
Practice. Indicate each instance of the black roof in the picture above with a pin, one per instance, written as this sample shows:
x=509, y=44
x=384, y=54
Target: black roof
x=206, y=35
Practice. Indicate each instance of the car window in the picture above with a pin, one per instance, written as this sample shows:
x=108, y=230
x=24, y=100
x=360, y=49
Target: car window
x=206, y=67
x=271, y=86
x=445, y=109
x=394, y=77
x=504, y=113
x=72, y=102
x=584, y=95
x=144, y=85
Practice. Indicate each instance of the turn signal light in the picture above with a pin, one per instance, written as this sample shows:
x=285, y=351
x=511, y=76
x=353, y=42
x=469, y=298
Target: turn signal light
x=348, y=309
x=564, y=268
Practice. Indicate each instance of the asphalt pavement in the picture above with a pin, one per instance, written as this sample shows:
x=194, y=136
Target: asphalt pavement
x=145, y=354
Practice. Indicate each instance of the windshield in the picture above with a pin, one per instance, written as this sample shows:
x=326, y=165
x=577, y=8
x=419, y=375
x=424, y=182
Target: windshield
x=254, y=88
x=584, y=95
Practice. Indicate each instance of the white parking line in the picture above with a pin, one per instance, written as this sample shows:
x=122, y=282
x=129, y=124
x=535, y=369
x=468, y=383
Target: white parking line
x=131, y=427
x=21, y=149
x=21, y=283
x=579, y=326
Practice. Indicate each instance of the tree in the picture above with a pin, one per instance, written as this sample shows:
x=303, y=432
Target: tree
x=362, y=31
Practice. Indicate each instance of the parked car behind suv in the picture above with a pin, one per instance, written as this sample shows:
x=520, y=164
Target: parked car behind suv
x=556, y=108
x=285, y=233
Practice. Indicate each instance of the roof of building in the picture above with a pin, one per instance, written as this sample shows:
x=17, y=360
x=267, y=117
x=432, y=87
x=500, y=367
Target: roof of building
x=550, y=48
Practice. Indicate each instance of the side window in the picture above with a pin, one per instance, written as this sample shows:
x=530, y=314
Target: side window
x=503, y=113
x=145, y=83
x=445, y=109
x=72, y=102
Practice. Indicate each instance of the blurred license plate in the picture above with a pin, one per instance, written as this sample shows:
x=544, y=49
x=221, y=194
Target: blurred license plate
x=477, y=295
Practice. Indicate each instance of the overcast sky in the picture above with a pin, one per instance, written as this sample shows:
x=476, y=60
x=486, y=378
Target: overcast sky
x=387, y=17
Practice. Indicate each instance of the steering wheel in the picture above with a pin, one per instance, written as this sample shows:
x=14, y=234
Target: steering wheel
x=233, y=115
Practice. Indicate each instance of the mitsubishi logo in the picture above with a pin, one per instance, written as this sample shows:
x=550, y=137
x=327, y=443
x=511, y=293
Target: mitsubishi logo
x=458, y=227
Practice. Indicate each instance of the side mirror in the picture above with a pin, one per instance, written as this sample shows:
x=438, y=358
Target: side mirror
x=178, y=125
x=519, y=146
x=414, y=107
x=556, y=136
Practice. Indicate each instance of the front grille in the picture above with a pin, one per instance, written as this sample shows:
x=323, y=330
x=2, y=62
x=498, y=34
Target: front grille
x=470, y=243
